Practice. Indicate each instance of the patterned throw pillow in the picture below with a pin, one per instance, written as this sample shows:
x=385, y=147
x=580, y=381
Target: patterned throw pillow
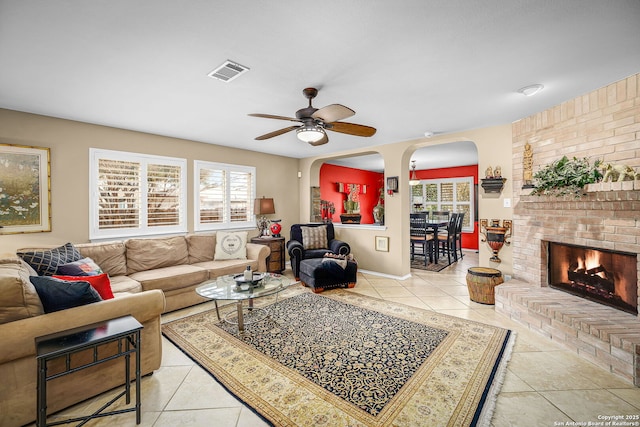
x=82, y=267
x=314, y=237
x=57, y=294
x=46, y=262
x=231, y=245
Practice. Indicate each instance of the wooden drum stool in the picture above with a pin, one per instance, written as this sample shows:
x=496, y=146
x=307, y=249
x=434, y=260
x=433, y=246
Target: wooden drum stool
x=481, y=282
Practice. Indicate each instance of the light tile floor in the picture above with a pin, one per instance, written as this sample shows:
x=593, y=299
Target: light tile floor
x=545, y=384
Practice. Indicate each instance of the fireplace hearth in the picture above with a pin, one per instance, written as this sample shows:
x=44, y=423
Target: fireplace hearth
x=603, y=276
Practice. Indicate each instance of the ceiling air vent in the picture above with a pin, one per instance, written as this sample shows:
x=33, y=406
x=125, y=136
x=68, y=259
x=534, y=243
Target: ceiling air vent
x=228, y=71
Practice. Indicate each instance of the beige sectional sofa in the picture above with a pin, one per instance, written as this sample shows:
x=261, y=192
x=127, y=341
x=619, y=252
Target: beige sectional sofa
x=175, y=265
x=148, y=277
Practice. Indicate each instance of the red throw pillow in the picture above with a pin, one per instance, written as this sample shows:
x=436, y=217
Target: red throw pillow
x=100, y=283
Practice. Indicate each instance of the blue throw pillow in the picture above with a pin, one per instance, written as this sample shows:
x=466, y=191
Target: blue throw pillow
x=46, y=262
x=57, y=294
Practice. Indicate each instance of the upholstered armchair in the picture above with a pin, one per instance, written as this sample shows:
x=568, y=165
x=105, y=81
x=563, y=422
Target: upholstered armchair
x=313, y=241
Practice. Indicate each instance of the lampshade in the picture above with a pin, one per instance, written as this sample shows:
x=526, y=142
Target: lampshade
x=310, y=133
x=264, y=206
x=413, y=180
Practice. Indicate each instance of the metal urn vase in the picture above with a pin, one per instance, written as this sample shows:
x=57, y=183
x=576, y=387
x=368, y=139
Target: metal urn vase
x=495, y=235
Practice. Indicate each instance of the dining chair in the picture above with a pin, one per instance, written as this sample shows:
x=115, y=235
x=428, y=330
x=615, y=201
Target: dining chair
x=440, y=215
x=458, y=240
x=421, y=237
x=446, y=240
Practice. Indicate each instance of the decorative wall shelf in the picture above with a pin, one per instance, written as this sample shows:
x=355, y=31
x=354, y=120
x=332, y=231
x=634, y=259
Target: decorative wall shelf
x=493, y=185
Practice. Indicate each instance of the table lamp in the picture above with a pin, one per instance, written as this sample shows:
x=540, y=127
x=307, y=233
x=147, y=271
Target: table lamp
x=263, y=206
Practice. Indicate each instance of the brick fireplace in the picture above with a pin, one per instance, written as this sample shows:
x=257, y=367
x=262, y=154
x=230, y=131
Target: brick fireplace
x=603, y=124
x=608, y=220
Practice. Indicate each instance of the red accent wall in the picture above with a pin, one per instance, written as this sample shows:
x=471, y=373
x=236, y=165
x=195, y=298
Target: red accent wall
x=330, y=175
x=469, y=240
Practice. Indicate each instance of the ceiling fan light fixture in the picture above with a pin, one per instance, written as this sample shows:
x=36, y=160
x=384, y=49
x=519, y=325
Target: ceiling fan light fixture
x=531, y=89
x=310, y=133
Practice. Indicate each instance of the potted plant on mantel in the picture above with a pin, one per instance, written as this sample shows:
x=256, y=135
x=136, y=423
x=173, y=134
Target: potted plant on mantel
x=566, y=177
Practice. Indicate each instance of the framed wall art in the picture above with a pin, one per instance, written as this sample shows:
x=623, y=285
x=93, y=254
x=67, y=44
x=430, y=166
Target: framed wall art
x=25, y=189
x=316, y=211
x=382, y=243
x=392, y=185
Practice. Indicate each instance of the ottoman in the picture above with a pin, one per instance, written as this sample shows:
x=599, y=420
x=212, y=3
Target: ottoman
x=325, y=273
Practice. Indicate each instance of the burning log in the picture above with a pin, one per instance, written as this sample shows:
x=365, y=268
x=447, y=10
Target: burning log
x=596, y=270
x=591, y=278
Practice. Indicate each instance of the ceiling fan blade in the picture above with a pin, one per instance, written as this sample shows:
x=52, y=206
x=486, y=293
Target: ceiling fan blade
x=271, y=116
x=321, y=141
x=351, y=128
x=276, y=133
x=332, y=113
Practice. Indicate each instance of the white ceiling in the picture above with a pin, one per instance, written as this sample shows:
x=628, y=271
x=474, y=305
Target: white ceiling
x=460, y=153
x=404, y=66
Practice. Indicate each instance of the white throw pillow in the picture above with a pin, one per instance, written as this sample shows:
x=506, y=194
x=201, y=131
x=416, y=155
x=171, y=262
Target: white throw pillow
x=231, y=245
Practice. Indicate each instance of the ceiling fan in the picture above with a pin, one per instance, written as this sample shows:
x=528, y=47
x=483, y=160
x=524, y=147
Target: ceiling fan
x=315, y=121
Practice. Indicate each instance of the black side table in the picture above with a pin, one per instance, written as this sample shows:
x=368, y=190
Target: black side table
x=125, y=331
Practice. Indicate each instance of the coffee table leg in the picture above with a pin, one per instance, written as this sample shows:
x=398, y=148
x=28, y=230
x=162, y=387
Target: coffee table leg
x=240, y=316
x=217, y=312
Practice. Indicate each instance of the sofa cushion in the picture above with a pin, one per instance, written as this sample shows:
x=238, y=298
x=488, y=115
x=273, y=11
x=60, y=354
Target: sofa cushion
x=230, y=266
x=82, y=267
x=45, y=262
x=57, y=294
x=231, y=245
x=18, y=296
x=150, y=254
x=100, y=283
x=124, y=285
x=314, y=237
x=168, y=278
x=201, y=247
x=110, y=256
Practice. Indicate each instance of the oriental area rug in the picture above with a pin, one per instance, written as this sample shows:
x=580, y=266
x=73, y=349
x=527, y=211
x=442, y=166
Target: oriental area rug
x=345, y=359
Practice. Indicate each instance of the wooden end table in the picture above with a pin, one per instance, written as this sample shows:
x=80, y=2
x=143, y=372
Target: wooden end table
x=275, y=261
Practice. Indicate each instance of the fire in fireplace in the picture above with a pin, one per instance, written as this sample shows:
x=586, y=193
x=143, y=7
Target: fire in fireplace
x=604, y=276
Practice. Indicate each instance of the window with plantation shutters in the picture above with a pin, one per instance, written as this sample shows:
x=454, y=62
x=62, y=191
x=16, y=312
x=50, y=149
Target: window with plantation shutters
x=223, y=196
x=448, y=194
x=163, y=194
x=135, y=194
x=118, y=192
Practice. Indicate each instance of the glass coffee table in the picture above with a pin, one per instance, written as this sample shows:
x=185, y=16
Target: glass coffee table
x=227, y=288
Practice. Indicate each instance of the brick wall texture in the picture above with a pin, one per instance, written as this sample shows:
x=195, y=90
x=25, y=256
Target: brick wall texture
x=603, y=124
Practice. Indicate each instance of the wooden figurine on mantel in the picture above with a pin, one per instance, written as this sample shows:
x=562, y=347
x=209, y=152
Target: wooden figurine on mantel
x=527, y=165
